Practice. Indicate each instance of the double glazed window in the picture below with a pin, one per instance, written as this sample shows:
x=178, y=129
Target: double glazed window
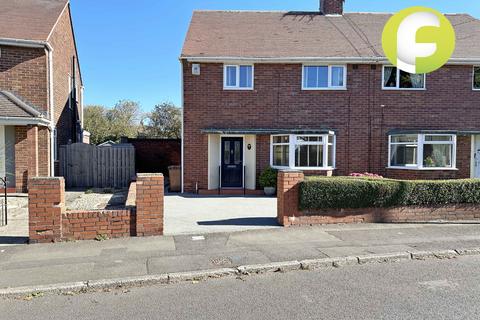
x=476, y=78
x=394, y=78
x=423, y=151
x=238, y=77
x=303, y=151
x=324, y=77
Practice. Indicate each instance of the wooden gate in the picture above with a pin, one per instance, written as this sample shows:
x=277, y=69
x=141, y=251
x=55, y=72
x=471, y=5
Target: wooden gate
x=87, y=166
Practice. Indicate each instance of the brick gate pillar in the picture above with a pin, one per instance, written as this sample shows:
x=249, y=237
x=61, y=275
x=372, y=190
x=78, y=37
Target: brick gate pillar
x=149, y=202
x=288, y=195
x=46, y=204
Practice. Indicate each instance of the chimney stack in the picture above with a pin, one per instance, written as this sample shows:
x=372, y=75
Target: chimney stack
x=331, y=6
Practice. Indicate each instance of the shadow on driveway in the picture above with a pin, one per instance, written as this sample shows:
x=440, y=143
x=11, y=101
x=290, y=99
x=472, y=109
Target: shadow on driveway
x=6, y=240
x=257, y=221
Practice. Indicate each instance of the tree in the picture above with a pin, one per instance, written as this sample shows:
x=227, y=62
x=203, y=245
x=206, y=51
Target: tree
x=165, y=121
x=124, y=120
x=96, y=123
x=111, y=124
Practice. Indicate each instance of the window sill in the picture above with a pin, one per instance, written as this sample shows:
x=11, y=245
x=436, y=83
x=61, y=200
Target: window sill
x=404, y=89
x=305, y=169
x=324, y=89
x=422, y=169
x=237, y=89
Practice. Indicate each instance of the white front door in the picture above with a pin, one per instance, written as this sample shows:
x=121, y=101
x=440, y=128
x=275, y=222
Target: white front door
x=2, y=152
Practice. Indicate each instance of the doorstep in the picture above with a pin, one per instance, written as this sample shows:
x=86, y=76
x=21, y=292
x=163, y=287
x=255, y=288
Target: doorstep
x=230, y=192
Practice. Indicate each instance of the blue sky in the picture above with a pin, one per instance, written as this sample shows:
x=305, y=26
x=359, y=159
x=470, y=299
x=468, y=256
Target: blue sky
x=130, y=49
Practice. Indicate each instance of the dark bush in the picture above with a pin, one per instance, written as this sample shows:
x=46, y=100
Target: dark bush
x=348, y=192
x=268, y=178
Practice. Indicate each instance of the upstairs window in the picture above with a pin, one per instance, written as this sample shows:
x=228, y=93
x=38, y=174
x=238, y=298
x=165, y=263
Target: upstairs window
x=324, y=77
x=238, y=77
x=394, y=78
x=476, y=78
x=423, y=151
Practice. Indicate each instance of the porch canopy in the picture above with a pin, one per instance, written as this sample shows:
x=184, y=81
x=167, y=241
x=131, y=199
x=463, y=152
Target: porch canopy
x=260, y=131
x=14, y=111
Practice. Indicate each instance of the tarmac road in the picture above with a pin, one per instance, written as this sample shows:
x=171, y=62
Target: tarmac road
x=432, y=289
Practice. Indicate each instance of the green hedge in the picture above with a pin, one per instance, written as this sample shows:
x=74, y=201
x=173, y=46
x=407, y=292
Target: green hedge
x=347, y=192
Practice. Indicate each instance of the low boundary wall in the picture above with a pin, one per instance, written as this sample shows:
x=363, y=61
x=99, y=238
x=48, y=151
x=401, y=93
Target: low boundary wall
x=288, y=212
x=49, y=221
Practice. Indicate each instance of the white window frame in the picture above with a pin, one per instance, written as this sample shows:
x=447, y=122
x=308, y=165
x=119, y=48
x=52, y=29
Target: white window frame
x=293, y=143
x=272, y=145
x=420, y=145
x=398, y=81
x=329, y=86
x=473, y=79
x=237, y=86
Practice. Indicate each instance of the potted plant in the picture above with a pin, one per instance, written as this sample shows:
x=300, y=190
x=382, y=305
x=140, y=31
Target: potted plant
x=268, y=180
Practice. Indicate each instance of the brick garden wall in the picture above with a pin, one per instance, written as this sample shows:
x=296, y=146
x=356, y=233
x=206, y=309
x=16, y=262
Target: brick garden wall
x=156, y=155
x=50, y=222
x=88, y=225
x=289, y=214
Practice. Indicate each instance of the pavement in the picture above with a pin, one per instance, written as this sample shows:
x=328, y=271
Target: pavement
x=85, y=261
x=187, y=214
x=417, y=290
x=16, y=231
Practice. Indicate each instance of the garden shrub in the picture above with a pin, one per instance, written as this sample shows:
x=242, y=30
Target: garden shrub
x=353, y=192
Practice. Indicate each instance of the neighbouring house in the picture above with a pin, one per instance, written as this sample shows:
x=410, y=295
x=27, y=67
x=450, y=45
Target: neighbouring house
x=41, y=88
x=313, y=91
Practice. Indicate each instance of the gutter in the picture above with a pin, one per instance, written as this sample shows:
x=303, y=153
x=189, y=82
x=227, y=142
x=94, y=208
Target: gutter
x=49, y=51
x=21, y=121
x=352, y=60
x=183, y=128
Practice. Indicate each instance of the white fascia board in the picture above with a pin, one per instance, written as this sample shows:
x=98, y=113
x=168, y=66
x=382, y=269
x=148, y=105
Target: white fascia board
x=327, y=60
x=18, y=121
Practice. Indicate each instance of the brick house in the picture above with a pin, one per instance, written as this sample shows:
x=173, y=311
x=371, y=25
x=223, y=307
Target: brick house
x=40, y=88
x=313, y=91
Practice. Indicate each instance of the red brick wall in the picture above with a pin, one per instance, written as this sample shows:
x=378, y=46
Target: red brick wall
x=449, y=213
x=50, y=222
x=288, y=194
x=23, y=71
x=62, y=41
x=46, y=204
x=288, y=212
x=156, y=155
x=31, y=154
x=362, y=124
x=150, y=206
x=87, y=225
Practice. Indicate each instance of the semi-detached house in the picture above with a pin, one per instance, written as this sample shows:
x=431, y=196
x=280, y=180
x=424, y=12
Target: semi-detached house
x=41, y=88
x=313, y=91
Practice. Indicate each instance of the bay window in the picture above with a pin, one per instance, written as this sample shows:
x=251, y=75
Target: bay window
x=303, y=151
x=422, y=151
x=394, y=78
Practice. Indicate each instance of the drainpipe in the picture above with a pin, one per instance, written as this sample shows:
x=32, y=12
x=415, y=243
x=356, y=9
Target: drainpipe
x=183, y=127
x=51, y=127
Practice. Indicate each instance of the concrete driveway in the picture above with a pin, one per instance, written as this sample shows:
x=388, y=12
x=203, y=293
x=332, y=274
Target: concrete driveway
x=189, y=214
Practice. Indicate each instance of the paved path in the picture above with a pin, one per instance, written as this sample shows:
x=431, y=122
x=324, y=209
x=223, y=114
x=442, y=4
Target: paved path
x=195, y=214
x=90, y=260
x=420, y=290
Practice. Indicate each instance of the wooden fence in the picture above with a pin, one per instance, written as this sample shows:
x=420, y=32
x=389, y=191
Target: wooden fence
x=87, y=166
